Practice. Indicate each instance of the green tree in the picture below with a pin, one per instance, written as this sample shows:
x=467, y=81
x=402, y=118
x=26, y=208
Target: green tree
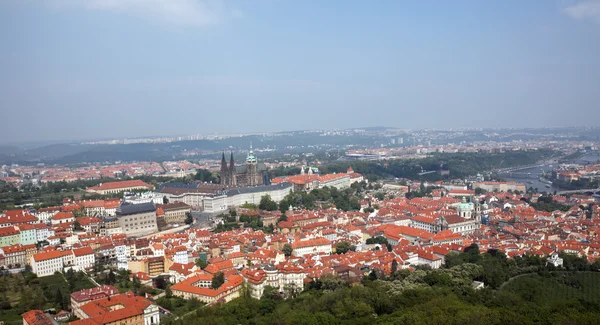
x=204, y=175
x=343, y=247
x=201, y=263
x=188, y=218
x=394, y=267
x=217, y=280
x=77, y=226
x=59, y=299
x=287, y=250
x=137, y=284
x=266, y=203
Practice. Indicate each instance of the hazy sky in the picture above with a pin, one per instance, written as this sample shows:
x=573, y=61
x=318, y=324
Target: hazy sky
x=81, y=69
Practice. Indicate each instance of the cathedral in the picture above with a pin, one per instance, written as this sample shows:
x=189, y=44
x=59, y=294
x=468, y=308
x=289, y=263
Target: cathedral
x=250, y=174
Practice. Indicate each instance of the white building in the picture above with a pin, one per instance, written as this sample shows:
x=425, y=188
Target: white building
x=311, y=246
x=555, y=260
x=84, y=258
x=44, y=264
x=226, y=199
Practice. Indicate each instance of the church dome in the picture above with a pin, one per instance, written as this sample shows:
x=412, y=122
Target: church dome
x=465, y=206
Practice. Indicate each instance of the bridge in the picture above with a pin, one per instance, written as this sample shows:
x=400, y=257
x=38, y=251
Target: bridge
x=521, y=175
x=593, y=190
x=514, y=169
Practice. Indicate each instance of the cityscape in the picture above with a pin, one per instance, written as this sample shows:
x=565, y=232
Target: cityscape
x=223, y=162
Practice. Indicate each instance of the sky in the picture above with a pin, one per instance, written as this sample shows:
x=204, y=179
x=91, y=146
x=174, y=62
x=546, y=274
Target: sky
x=97, y=69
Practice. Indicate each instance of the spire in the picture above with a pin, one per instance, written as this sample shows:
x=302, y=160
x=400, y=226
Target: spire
x=231, y=163
x=223, y=162
x=251, y=158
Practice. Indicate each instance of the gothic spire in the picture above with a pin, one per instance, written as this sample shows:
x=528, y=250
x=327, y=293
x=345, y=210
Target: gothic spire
x=223, y=162
x=231, y=163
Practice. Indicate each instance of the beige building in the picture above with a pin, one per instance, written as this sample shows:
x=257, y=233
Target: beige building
x=137, y=219
x=175, y=212
x=118, y=187
x=500, y=186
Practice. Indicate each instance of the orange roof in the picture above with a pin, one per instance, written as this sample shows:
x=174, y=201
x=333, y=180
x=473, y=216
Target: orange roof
x=102, y=312
x=63, y=215
x=48, y=255
x=121, y=185
x=311, y=242
x=83, y=251
x=37, y=317
x=187, y=285
x=17, y=216
x=9, y=231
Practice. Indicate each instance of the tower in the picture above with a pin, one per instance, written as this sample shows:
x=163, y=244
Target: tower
x=224, y=175
x=232, y=172
x=477, y=209
x=465, y=209
x=252, y=170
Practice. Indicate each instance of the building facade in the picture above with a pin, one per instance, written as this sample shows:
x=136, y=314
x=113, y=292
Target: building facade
x=251, y=174
x=137, y=219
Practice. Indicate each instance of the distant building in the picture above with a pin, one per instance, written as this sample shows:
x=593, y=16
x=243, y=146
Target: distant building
x=500, y=186
x=199, y=287
x=137, y=219
x=118, y=187
x=175, y=212
x=555, y=260
x=215, y=197
x=251, y=174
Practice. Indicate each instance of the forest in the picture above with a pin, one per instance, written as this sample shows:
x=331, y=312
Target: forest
x=460, y=165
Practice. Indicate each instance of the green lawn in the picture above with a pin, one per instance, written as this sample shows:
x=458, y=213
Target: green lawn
x=10, y=317
x=559, y=286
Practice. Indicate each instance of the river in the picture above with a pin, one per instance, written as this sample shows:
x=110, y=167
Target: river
x=541, y=186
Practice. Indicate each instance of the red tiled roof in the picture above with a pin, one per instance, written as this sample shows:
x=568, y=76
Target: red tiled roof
x=83, y=251
x=37, y=317
x=100, y=292
x=48, y=255
x=311, y=242
x=8, y=231
x=100, y=311
x=121, y=184
x=63, y=215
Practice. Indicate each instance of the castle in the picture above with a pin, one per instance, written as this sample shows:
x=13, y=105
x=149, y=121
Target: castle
x=251, y=174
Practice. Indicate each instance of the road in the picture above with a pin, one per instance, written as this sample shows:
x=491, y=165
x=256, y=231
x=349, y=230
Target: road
x=201, y=219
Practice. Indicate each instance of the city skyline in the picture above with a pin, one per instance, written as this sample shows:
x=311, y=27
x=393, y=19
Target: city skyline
x=82, y=70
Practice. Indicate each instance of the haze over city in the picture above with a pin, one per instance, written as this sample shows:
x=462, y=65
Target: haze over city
x=93, y=69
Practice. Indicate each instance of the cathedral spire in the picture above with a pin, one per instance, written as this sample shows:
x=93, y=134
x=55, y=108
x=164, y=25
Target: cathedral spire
x=231, y=163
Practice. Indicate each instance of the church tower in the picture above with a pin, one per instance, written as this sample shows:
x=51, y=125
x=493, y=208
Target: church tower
x=477, y=208
x=252, y=165
x=465, y=209
x=224, y=175
x=232, y=172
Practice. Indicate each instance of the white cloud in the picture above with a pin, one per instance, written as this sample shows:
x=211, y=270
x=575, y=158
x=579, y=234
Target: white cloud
x=178, y=12
x=584, y=10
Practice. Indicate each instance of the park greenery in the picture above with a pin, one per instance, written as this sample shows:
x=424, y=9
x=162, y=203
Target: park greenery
x=24, y=291
x=346, y=199
x=546, y=203
x=517, y=291
x=460, y=165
